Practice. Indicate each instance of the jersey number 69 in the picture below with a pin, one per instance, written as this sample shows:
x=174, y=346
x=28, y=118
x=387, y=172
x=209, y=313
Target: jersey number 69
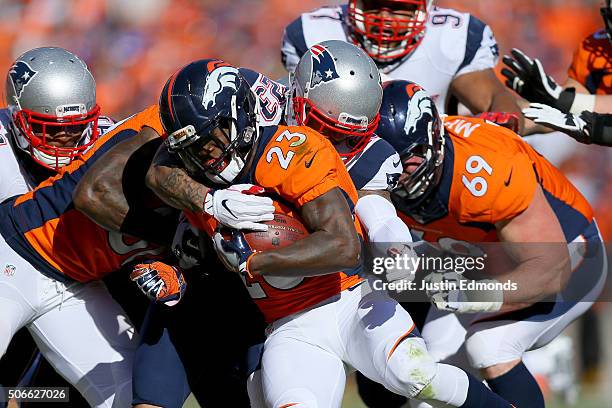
x=478, y=185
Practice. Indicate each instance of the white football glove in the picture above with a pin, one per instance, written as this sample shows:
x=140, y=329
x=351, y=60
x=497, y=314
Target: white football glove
x=553, y=118
x=239, y=207
x=451, y=298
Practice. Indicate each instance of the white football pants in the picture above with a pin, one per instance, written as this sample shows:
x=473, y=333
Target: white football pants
x=308, y=355
x=79, y=328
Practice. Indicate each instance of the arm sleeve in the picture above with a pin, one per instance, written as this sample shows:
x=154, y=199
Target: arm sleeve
x=379, y=218
x=12, y=181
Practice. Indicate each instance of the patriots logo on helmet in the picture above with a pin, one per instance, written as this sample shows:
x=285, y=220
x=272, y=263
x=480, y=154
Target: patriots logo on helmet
x=21, y=75
x=323, y=66
x=220, y=78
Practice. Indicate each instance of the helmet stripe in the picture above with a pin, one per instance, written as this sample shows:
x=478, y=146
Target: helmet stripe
x=169, y=95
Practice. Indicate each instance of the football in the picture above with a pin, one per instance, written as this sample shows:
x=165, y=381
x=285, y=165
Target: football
x=283, y=230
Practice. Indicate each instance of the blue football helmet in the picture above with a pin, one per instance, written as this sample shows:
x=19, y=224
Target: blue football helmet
x=199, y=98
x=410, y=122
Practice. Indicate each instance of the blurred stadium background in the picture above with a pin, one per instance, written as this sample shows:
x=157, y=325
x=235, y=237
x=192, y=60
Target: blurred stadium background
x=133, y=46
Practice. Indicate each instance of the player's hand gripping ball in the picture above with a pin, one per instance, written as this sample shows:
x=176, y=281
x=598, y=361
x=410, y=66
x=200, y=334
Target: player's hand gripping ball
x=236, y=248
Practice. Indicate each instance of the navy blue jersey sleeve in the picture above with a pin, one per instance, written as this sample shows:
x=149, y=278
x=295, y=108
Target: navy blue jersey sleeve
x=293, y=45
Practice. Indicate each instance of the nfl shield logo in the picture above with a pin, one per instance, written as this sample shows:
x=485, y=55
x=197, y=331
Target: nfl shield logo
x=9, y=270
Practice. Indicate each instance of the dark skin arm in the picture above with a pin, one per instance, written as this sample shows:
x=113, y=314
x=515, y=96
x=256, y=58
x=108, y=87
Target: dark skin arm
x=173, y=185
x=332, y=246
x=481, y=91
x=112, y=191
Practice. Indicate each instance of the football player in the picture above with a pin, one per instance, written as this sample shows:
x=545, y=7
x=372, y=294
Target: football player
x=51, y=124
x=452, y=54
x=56, y=126
x=344, y=107
x=589, y=83
x=571, y=111
x=29, y=157
x=300, y=288
x=373, y=164
x=169, y=349
x=467, y=180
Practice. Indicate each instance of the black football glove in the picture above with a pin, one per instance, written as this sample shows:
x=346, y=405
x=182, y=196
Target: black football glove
x=526, y=76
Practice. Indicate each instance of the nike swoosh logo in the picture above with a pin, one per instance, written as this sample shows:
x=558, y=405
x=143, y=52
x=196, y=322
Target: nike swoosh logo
x=396, y=164
x=507, y=182
x=309, y=163
x=224, y=204
x=352, y=288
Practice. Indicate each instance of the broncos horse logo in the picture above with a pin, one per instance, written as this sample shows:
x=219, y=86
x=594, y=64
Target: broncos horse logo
x=219, y=79
x=21, y=74
x=323, y=66
x=418, y=107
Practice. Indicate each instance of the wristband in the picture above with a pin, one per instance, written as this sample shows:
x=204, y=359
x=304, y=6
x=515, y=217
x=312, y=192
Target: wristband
x=247, y=268
x=582, y=102
x=600, y=129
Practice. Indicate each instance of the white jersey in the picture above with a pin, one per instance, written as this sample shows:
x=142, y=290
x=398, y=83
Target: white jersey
x=454, y=44
x=14, y=178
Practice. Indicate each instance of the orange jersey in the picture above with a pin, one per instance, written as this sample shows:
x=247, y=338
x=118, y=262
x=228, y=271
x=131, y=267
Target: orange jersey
x=592, y=64
x=490, y=175
x=44, y=227
x=297, y=165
